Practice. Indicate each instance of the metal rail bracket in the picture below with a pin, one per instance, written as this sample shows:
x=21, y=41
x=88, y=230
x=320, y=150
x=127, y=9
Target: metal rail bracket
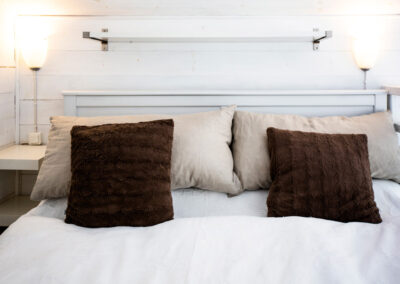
x=316, y=41
x=104, y=41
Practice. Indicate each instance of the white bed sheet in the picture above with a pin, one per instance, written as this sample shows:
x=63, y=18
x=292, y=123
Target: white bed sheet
x=187, y=203
x=245, y=247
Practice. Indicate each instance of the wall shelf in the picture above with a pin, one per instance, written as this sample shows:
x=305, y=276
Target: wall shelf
x=105, y=38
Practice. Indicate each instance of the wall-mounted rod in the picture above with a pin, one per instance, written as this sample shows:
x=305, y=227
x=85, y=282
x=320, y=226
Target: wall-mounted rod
x=105, y=38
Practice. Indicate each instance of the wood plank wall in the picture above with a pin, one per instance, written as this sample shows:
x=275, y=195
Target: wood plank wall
x=7, y=113
x=75, y=63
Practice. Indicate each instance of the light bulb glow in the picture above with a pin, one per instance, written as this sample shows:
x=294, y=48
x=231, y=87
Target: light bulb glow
x=33, y=41
x=34, y=51
x=365, y=51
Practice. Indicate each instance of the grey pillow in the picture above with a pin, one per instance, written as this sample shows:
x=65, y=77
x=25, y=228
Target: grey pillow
x=201, y=155
x=252, y=162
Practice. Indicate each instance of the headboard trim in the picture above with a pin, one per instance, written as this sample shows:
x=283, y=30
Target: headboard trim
x=306, y=102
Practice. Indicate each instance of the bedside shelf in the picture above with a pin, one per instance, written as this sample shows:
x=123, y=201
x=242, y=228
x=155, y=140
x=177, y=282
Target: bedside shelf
x=22, y=157
x=13, y=208
x=13, y=160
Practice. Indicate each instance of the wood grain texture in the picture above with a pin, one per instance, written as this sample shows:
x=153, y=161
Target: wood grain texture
x=7, y=112
x=289, y=74
x=205, y=7
x=76, y=63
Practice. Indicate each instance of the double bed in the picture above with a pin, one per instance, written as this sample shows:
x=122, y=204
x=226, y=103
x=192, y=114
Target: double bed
x=213, y=238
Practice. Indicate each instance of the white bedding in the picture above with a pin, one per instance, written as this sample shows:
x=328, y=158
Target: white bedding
x=245, y=247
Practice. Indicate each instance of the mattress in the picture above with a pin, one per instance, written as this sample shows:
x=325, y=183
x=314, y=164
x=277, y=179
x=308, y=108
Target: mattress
x=213, y=239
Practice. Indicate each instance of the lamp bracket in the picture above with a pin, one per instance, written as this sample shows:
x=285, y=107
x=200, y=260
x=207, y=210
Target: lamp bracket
x=317, y=40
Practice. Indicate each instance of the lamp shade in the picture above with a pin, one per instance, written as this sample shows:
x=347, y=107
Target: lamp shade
x=34, y=51
x=365, y=51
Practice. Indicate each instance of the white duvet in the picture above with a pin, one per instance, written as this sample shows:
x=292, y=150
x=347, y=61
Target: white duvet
x=242, y=247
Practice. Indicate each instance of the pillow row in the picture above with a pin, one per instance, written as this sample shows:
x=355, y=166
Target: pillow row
x=252, y=161
x=121, y=175
x=201, y=154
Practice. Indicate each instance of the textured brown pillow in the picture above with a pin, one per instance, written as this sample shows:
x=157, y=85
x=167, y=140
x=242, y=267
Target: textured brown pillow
x=121, y=174
x=320, y=175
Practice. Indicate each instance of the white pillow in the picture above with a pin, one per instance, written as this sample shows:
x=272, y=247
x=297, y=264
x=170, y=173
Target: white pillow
x=201, y=155
x=250, y=152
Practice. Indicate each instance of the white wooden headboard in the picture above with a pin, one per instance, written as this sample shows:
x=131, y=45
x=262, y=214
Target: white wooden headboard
x=311, y=103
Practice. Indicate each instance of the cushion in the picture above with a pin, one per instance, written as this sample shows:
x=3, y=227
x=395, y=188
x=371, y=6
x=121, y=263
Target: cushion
x=201, y=155
x=121, y=174
x=320, y=175
x=251, y=159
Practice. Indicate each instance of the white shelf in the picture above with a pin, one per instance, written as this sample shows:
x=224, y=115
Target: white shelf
x=105, y=38
x=127, y=38
x=13, y=208
x=22, y=157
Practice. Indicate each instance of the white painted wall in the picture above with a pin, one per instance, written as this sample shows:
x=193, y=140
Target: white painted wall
x=76, y=63
x=7, y=72
x=7, y=114
x=205, y=7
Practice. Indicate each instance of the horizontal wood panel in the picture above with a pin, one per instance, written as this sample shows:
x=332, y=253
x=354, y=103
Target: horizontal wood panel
x=7, y=80
x=206, y=100
x=45, y=110
x=208, y=7
x=203, y=63
x=309, y=111
x=50, y=86
x=77, y=63
x=317, y=102
x=67, y=32
x=207, y=63
x=7, y=112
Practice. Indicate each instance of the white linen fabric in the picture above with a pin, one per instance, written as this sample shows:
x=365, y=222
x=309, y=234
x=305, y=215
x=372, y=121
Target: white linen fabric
x=250, y=147
x=41, y=248
x=201, y=155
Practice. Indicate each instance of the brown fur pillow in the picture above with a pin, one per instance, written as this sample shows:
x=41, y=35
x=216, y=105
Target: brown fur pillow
x=121, y=174
x=320, y=175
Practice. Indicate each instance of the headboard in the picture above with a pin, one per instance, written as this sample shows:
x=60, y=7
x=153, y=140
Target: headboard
x=304, y=102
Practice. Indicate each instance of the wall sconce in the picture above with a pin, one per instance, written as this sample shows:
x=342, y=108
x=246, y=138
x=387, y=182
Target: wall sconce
x=34, y=50
x=365, y=51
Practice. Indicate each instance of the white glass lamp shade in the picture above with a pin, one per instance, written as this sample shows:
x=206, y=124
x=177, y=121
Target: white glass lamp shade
x=34, y=52
x=365, y=51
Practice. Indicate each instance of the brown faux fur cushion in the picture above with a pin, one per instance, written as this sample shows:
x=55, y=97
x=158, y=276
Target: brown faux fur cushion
x=121, y=174
x=320, y=175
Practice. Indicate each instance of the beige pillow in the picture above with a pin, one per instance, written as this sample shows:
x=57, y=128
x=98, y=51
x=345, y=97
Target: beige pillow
x=201, y=156
x=250, y=152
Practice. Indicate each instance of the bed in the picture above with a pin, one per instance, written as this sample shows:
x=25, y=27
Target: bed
x=213, y=238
